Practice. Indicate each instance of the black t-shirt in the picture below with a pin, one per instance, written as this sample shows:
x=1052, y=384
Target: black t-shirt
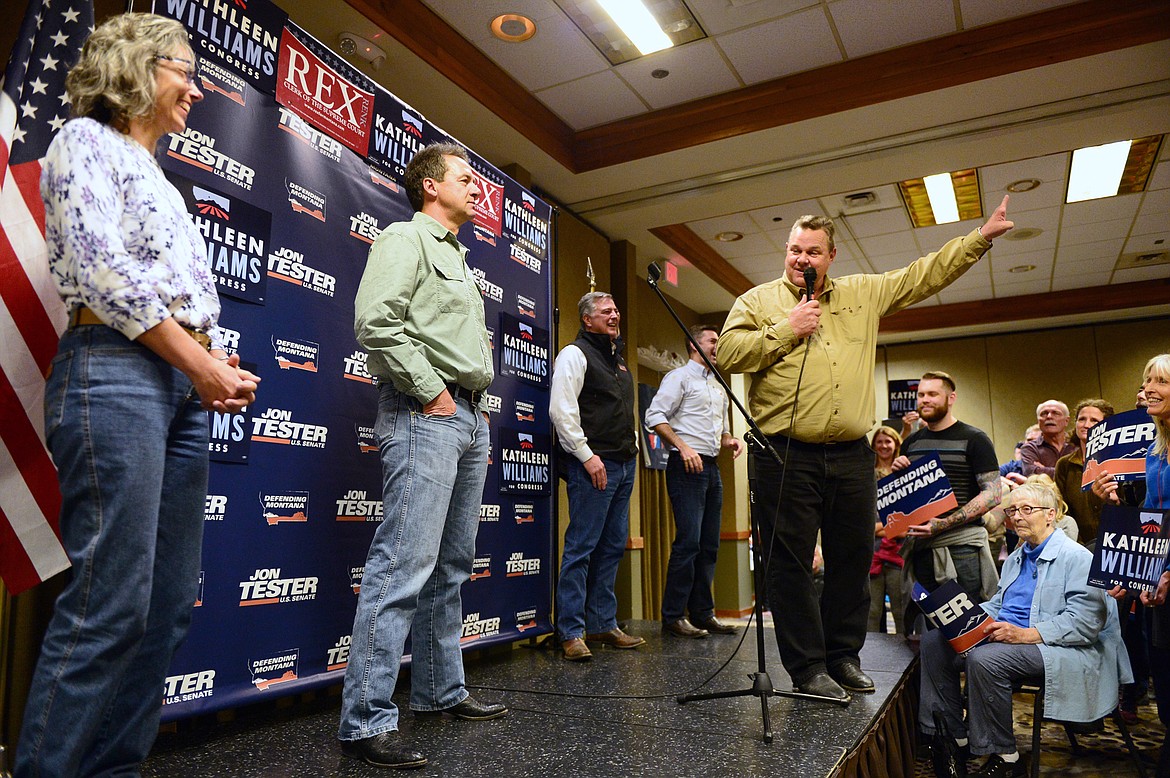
x=964, y=451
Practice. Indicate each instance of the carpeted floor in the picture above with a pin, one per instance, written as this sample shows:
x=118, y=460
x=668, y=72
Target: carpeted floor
x=1101, y=755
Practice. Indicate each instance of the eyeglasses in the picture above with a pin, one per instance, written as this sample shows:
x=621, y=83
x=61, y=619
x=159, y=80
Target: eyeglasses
x=1026, y=510
x=190, y=73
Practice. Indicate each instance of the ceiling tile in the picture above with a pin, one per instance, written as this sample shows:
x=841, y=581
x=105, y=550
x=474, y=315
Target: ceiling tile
x=846, y=251
x=1093, y=265
x=707, y=229
x=781, y=217
x=1147, y=224
x=751, y=246
x=1155, y=203
x=1149, y=242
x=844, y=267
x=1045, y=240
x=1160, y=178
x=979, y=12
x=796, y=43
x=866, y=27
x=1001, y=265
x=978, y=277
x=1097, y=251
x=1081, y=280
x=557, y=53
x=720, y=16
x=1037, y=286
x=1091, y=233
x=473, y=20
x=870, y=223
x=884, y=263
x=1104, y=209
x=1151, y=273
x=596, y=99
x=1051, y=171
x=896, y=243
x=769, y=263
x=696, y=70
x=934, y=237
x=884, y=197
x=761, y=277
x=1049, y=195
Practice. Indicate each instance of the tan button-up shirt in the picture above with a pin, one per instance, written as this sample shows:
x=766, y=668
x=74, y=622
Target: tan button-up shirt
x=836, y=401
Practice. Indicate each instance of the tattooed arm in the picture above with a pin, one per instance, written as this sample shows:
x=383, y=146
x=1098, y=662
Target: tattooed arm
x=990, y=493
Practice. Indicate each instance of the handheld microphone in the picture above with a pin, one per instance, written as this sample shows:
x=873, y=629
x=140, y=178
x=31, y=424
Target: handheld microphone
x=653, y=273
x=810, y=282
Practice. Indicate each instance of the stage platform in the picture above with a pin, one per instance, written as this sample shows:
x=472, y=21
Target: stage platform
x=625, y=720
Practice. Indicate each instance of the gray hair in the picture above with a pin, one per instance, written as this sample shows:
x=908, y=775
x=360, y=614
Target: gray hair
x=113, y=80
x=588, y=303
x=1051, y=402
x=1041, y=490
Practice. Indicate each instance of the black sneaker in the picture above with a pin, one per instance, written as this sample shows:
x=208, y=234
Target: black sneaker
x=995, y=767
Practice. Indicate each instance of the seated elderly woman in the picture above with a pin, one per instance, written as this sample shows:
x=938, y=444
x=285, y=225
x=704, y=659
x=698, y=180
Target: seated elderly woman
x=1049, y=624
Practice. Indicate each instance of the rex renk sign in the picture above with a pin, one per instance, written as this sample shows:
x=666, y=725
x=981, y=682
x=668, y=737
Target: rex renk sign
x=321, y=95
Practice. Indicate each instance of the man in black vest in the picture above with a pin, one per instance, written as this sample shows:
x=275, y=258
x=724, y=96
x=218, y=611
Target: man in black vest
x=592, y=409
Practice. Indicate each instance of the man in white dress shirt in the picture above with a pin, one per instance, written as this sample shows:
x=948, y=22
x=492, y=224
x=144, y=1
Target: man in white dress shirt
x=689, y=412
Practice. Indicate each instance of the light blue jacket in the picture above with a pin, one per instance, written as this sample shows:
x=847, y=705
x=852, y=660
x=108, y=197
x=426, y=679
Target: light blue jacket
x=1084, y=659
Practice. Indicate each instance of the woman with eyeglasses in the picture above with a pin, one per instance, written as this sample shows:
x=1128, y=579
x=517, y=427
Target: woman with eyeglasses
x=1155, y=393
x=137, y=367
x=1048, y=624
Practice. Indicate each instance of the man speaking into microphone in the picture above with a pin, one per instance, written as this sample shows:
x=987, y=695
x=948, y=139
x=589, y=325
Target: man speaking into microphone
x=817, y=422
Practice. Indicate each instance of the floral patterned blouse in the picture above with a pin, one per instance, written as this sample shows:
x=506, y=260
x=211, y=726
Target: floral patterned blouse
x=120, y=239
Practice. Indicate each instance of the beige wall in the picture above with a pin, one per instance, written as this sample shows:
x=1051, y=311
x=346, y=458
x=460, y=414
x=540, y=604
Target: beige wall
x=1002, y=378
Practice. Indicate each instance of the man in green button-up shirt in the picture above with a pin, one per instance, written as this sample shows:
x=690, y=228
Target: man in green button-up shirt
x=420, y=317
x=820, y=347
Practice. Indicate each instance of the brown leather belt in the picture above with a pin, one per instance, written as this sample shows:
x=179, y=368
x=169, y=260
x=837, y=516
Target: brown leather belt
x=84, y=316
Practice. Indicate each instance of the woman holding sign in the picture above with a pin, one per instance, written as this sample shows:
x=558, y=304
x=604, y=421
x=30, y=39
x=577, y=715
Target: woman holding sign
x=1156, y=388
x=885, y=571
x=1048, y=624
x=1084, y=506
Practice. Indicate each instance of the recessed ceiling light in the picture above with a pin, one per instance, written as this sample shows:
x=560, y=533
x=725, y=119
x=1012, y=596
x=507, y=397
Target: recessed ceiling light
x=1024, y=233
x=941, y=193
x=1022, y=269
x=1023, y=185
x=729, y=236
x=964, y=185
x=1096, y=171
x=513, y=28
x=1136, y=166
x=659, y=73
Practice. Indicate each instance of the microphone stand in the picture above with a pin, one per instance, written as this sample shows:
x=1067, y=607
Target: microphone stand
x=761, y=682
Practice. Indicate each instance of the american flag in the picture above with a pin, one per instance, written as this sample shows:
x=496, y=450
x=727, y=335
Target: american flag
x=33, y=107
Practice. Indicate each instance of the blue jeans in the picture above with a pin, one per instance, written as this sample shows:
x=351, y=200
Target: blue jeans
x=991, y=669
x=696, y=499
x=433, y=472
x=129, y=440
x=599, y=524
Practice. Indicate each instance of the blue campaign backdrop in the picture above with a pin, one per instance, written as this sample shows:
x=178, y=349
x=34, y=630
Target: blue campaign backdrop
x=289, y=206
